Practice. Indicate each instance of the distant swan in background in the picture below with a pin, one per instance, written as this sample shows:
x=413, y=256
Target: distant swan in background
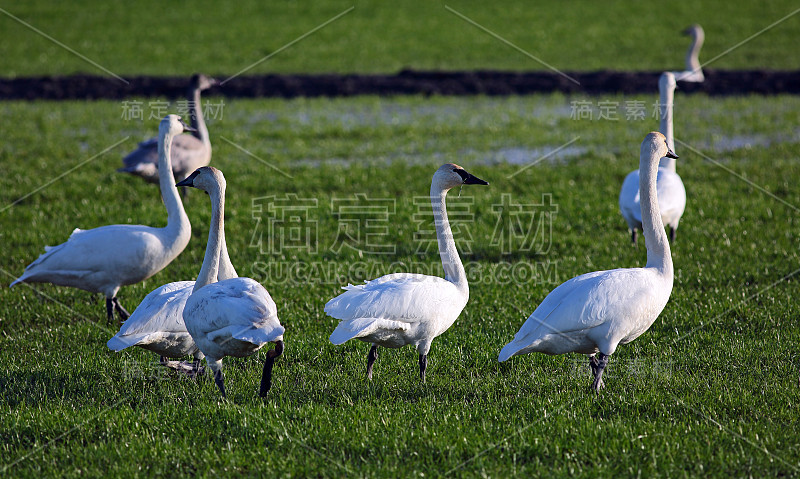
x=188, y=152
x=671, y=192
x=157, y=323
x=593, y=313
x=231, y=317
x=399, y=309
x=693, y=72
x=103, y=259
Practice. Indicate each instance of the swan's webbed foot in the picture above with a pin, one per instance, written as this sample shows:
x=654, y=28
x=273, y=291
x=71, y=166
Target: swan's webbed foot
x=191, y=370
x=372, y=356
x=266, y=375
x=423, y=364
x=598, y=364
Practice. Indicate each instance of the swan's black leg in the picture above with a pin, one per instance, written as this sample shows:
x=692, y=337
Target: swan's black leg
x=593, y=365
x=633, y=237
x=123, y=313
x=423, y=363
x=219, y=380
x=672, y=233
x=598, y=368
x=371, y=357
x=266, y=375
x=110, y=309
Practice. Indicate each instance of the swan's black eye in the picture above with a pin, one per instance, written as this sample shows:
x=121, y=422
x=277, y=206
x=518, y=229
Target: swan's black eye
x=455, y=170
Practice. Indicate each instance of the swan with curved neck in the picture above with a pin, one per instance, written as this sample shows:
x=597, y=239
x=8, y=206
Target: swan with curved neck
x=671, y=192
x=233, y=316
x=399, y=309
x=157, y=323
x=101, y=260
x=188, y=152
x=595, y=312
x=694, y=71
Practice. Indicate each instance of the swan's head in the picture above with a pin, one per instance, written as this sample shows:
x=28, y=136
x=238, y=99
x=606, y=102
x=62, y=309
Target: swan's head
x=201, y=82
x=695, y=31
x=173, y=125
x=667, y=81
x=451, y=175
x=206, y=178
x=655, y=146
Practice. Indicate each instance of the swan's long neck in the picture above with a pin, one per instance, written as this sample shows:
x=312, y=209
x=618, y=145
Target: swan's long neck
x=216, y=240
x=693, y=55
x=198, y=122
x=226, y=269
x=177, y=222
x=658, y=252
x=453, y=269
x=667, y=95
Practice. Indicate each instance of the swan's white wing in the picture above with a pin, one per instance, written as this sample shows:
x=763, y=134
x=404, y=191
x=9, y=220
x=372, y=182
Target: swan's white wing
x=397, y=297
x=671, y=196
x=238, y=308
x=159, y=314
x=394, y=302
x=629, y=200
x=99, y=258
x=584, y=303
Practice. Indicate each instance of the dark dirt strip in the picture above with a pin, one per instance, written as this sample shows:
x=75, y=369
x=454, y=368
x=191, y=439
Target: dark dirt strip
x=407, y=82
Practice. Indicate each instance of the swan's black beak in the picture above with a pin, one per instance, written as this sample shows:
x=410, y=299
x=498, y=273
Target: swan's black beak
x=469, y=179
x=687, y=31
x=671, y=154
x=189, y=180
x=187, y=127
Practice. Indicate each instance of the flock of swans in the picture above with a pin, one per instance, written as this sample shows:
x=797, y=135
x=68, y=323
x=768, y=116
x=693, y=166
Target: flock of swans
x=221, y=314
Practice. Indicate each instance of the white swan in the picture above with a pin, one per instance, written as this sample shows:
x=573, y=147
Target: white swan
x=103, y=259
x=232, y=317
x=188, y=152
x=157, y=323
x=595, y=312
x=694, y=71
x=671, y=192
x=399, y=309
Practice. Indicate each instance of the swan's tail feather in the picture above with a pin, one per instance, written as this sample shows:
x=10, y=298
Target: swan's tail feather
x=117, y=344
x=509, y=350
x=360, y=327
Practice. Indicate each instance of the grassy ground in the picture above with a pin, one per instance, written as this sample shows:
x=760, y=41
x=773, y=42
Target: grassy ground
x=150, y=37
x=710, y=390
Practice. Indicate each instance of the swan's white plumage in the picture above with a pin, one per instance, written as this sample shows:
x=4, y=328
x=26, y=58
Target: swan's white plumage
x=234, y=317
x=228, y=317
x=396, y=309
x=409, y=309
x=671, y=198
x=669, y=186
x=157, y=323
x=597, y=311
x=103, y=259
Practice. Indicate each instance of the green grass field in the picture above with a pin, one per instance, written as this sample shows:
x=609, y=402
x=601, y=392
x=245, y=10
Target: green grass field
x=153, y=38
x=710, y=390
